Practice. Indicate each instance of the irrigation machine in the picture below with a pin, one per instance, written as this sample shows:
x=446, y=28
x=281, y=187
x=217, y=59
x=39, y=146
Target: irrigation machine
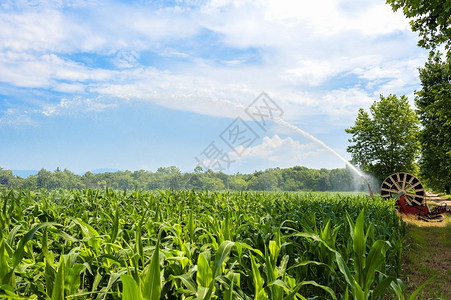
x=411, y=197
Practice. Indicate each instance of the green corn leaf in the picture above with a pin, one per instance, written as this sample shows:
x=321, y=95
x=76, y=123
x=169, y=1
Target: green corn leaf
x=221, y=255
x=258, y=280
x=113, y=278
x=13, y=234
x=58, y=286
x=314, y=283
x=115, y=229
x=421, y=287
x=4, y=268
x=152, y=282
x=380, y=289
x=49, y=277
x=355, y=287
x=351, y=224
x=9, y=293
x=273, y=251
x=375, y=258
x=271, y=271
x=203, y=293
x=280, y=284
x=283, y=266
x=188, y=282
x=10, y=196
x=72, y=272
x=309, y=262
x=228, y=294
x=204, y=271
x=326, y=231
x=87, y=230
x=90, y=233
x=310, y=235
x=325, y=288
x=130, y=288
x=246, y=246
x=359, y=247
x=397, y=288
x=346, y=297
x=20, y=251
x=139, y=249
x=95, y=284
x=191, y=226
x=45, y=250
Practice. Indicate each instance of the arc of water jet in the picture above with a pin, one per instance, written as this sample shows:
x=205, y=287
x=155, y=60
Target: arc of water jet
x=309, y=136
x=325, y=146
x=317, y=141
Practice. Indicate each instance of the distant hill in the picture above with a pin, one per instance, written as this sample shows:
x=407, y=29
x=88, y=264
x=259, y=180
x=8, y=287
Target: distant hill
x=24, y=173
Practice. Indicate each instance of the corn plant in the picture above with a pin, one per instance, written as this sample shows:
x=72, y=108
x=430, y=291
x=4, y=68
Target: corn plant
x=107, y=244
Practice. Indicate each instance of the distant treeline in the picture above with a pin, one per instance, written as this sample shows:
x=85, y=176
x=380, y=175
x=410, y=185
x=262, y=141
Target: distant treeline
x=289, y=179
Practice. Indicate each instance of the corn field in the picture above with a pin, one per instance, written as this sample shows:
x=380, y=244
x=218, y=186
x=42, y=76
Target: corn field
x=107, y=244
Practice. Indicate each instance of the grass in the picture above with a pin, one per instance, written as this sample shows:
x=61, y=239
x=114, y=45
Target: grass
x=428, y=254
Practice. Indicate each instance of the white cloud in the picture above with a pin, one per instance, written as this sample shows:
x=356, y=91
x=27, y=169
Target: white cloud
x=126, y=59
x=285, y=152
x=77, y=106
x=288, y=22
x=300, y=47
x=392, y=77
x=344, y=103
x=45, y=70
x=311, y=72
x=13, y=117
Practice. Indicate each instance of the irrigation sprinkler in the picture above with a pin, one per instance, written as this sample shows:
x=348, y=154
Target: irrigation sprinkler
x=411, y=197
x=369, y=186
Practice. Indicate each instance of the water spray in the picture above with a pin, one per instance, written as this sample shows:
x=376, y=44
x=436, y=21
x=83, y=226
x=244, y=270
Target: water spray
x=322, y=144
x=309, y=136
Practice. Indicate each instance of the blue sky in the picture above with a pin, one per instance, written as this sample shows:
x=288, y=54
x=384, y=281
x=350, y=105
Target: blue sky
x=144, y=84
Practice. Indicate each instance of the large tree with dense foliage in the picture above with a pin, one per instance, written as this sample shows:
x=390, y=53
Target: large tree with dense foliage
x=434, y=110
x=430, y=18
x=387, y=141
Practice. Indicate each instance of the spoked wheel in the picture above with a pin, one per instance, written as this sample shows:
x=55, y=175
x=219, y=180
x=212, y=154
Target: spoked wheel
x=406, y=183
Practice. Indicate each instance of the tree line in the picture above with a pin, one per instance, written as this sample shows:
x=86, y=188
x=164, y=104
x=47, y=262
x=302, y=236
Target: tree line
x=289, y=179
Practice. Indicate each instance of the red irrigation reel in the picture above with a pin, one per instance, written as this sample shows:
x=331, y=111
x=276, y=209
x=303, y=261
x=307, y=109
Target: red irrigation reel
x=411, y=197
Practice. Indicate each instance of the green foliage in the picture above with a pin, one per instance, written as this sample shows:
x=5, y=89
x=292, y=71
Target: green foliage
x=264, y=181
x=387, y=141
x=289, y=179
x=432, y=19
x=107, y=244
x=434, y=111
x=8, y=179
x=429, y=18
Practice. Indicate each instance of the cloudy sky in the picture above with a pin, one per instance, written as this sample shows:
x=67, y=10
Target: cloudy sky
x=143, y=84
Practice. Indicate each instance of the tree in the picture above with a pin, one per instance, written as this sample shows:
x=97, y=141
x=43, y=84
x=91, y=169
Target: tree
x=430, y=18
x=5, y=177
x=340, y=179
x=237, y=182
x=434, y=111
x=387, y=142
x=212, y=183
x=263, y=181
